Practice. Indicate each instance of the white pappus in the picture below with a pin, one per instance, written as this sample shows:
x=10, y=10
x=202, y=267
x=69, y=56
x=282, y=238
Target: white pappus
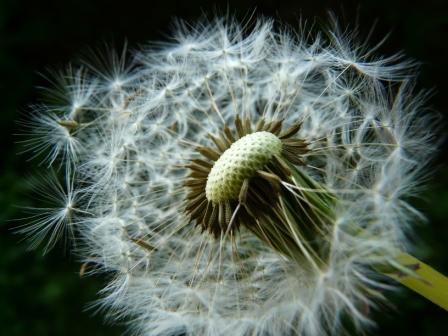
x=139, y=138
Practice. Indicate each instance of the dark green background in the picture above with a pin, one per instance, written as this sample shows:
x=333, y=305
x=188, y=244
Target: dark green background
x=44, y=295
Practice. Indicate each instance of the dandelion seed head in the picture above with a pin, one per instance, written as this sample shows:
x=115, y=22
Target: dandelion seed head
x=239, y=181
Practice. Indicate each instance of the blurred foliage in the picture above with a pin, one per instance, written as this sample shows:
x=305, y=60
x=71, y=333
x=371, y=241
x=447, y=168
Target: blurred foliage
x=45, y=295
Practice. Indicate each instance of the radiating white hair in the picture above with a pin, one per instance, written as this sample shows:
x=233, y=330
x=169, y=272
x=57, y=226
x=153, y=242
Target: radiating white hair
x=124, y=136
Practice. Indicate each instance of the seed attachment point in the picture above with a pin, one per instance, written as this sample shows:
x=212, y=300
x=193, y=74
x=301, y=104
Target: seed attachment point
x=241, y=161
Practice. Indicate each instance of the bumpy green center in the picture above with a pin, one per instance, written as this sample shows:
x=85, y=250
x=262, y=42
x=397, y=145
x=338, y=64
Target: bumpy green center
x=240, y=161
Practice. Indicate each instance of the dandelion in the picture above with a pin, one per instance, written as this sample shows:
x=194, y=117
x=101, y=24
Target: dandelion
x=242, y=181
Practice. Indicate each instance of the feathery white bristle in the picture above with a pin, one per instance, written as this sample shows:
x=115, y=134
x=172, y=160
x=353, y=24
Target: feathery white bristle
x=139, y=123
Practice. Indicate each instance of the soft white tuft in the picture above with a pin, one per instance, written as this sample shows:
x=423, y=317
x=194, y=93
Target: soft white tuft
x=138, y=124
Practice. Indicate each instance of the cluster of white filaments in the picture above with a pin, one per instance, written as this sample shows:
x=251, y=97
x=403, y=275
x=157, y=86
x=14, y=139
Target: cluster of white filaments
x=126, y=134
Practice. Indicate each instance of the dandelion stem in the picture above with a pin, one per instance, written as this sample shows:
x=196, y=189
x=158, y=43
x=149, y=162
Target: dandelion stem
x=421, y=278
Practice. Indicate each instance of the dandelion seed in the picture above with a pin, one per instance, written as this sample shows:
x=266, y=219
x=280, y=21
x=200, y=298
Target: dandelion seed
x=56, y=220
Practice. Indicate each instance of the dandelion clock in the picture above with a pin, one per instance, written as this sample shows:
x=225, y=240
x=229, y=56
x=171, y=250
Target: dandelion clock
x=239, y=181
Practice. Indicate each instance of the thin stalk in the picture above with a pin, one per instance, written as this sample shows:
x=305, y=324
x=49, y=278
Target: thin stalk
x=421, y=278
